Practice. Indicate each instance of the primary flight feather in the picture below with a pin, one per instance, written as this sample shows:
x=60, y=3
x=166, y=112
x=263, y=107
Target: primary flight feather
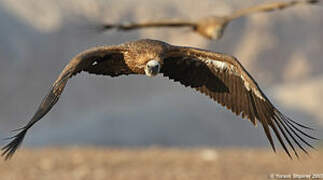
x=211, y=27
x=217, y=75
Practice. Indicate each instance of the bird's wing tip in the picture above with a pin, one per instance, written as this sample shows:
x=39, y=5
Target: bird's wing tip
x=10, y=148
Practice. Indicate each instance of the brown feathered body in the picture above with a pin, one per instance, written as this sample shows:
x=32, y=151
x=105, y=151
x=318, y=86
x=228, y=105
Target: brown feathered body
x=211, y=27
x=217, y=75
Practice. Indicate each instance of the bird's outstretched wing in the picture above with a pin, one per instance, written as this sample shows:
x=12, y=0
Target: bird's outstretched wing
x=105, y=60
x=223, y=78
x=161, y=23
x=269, y=7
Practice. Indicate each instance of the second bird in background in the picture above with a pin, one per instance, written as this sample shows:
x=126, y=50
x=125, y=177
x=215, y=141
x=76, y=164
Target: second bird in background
x=211, y=27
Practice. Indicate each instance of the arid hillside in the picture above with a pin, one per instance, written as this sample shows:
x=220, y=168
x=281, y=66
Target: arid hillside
x=156, y=163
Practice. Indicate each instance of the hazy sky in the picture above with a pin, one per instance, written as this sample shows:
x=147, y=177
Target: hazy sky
x=282, y=50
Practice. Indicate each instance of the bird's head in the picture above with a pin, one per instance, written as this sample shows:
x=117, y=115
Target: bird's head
x=152, y=68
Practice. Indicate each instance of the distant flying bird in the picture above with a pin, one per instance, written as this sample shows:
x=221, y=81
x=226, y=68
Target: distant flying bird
x=217, y=75
x=211, y=27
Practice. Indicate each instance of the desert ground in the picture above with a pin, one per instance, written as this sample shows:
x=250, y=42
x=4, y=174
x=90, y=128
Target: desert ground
x=156, y=163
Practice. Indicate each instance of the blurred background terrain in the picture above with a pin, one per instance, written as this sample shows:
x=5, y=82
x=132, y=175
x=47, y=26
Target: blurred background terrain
x=157, y=163
x=282, y=50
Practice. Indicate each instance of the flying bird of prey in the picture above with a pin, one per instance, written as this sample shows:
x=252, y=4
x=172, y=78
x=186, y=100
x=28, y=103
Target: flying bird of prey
x=217, y=75
x=211, y=27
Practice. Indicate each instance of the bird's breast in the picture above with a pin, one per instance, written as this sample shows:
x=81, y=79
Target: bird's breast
x=136, y=66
